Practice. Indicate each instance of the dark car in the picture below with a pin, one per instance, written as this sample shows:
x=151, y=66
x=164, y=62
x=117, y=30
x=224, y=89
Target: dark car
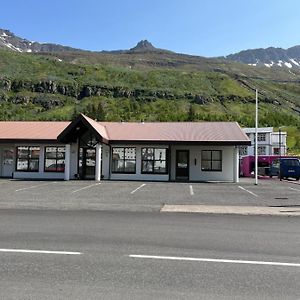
x=285, y=168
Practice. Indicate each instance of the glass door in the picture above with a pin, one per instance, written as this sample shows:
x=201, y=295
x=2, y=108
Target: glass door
x=182, y=164
x=87, y=163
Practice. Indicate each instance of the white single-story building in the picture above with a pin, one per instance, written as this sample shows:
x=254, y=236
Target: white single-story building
x=87, y=149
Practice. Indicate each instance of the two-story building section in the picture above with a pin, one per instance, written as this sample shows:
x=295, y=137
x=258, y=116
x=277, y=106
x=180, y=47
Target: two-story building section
x=268, y=142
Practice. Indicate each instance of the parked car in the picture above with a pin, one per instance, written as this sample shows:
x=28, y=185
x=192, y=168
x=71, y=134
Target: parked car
x=285, y=168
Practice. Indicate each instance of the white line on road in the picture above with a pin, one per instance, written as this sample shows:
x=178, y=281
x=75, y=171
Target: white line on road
x=191, y=190
x=232, y=261
x=40, y=251
x=138, y=188
x=294, y=189
x=85, y=187
x=33, y=187
x=253, y=194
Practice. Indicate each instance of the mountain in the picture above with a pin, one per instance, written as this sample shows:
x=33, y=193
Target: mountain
x=270, y=57
x=10, y=41
x=53, y=82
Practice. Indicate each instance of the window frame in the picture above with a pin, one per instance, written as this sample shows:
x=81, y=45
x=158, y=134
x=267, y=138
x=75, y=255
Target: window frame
x=243, y=150
x=166, y=160
x=124, y=160
x=56, y=159
x=28, y=158
x=261, y=137
x=261, y=150
x=211, y=160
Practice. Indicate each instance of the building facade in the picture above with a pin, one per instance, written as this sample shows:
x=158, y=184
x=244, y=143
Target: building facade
x=268, y=142
x=86, y=149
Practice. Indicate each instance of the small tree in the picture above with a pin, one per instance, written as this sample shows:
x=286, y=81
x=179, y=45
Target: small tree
x=192, y=115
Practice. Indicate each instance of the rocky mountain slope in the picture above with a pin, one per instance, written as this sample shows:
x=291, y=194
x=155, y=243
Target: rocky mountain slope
x=10, y=41
x=270, y=57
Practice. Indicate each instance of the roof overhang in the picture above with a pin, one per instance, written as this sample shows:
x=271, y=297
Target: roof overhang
x=76, y=128
x=28, y=141
x=161, y=142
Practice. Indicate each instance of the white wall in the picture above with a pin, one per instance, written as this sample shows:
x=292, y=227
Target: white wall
x=105, y=161
x=195, y=172
x=228, y=173
x=40, y=174
x=138, y=175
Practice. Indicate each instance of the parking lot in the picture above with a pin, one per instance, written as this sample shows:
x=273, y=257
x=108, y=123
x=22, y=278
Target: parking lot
x=144, y=196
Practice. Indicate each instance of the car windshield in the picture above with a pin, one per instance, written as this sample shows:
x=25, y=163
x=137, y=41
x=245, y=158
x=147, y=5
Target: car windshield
x=292, y=162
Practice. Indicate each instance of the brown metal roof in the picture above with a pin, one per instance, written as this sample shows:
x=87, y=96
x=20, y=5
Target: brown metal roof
x=23, y=130
x=193, y=132
x=97, y=126
x=176, y=132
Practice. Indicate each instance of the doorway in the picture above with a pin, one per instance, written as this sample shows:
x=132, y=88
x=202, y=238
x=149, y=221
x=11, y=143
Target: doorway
x=87, y=163
x=7, y=162
x=182, y=164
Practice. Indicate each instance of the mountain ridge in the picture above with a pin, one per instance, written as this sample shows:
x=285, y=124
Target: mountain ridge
x=270, y=57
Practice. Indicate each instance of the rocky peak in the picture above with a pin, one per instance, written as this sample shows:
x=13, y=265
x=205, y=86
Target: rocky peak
x=143, y=46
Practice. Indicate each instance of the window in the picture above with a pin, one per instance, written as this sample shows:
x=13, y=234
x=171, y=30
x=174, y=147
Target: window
x=261, y=150
x=261, y=137
x=154, y=161
x=28, y=158
x=211, y=160
x=123, y=160
x=55, y=159
x=276, y=151
x=243, y=150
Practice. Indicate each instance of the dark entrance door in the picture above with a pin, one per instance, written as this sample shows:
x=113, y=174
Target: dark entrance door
x=182, y=164
x=87, y=163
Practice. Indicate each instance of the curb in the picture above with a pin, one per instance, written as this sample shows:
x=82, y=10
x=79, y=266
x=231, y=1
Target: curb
x=233, y=210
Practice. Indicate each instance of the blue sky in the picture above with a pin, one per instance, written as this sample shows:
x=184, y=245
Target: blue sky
x=200, y=27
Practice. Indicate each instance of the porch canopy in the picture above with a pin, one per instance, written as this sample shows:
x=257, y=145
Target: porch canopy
x=79, y=127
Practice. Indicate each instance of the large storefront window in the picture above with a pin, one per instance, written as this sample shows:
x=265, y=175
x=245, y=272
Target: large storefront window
x=211, y=160
x=123, y=160
x=154, y=161
x=28, y=158
x=55, y=159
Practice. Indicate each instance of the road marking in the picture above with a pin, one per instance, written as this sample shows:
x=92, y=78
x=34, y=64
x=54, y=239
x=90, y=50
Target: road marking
x=33, y=187
x=191, y=190
x=248, y=191
x=40, y=251
x=85, y=187
x=231, y=261
x=138, y=188
x=294, y=189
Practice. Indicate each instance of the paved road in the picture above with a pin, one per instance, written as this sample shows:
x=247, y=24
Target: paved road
x=104, y=269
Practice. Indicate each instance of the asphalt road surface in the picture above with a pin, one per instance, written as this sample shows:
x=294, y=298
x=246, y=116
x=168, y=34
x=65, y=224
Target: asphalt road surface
x=135, y=255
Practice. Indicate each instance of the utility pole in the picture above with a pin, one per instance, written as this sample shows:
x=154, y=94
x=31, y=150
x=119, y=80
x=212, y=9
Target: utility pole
x=256, y=134
x=280, y=153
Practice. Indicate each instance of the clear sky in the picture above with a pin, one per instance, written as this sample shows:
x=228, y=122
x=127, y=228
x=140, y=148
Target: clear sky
x=200, y=27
